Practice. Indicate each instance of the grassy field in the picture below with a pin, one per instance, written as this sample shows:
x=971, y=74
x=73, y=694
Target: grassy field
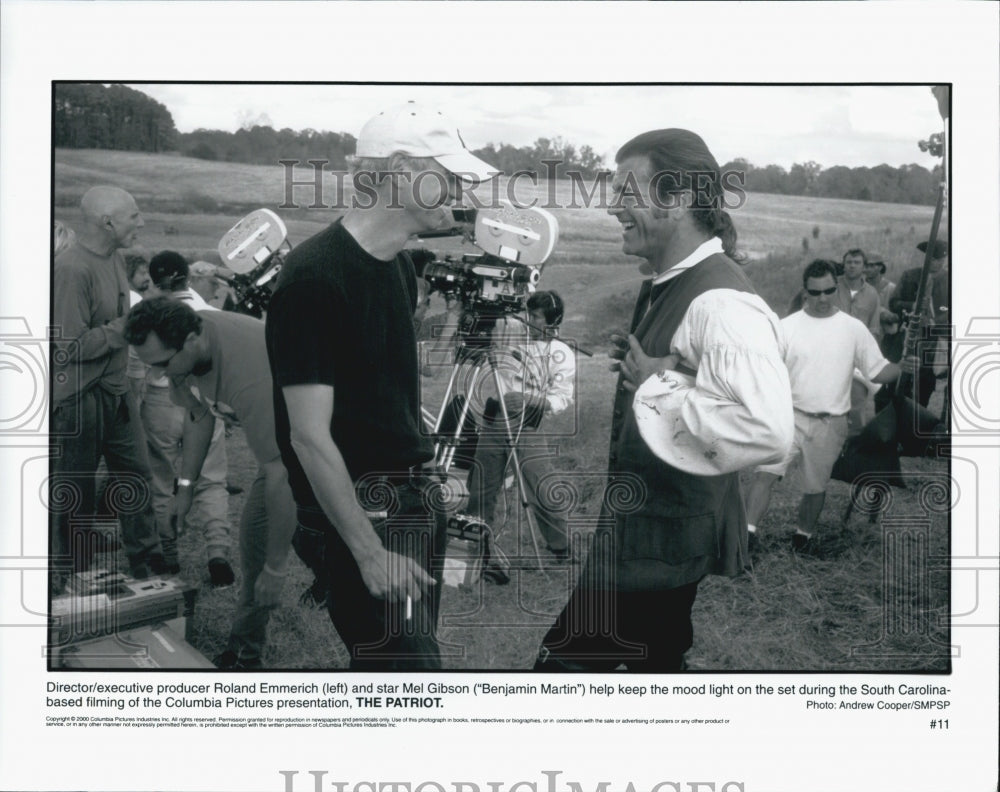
x=847, y=609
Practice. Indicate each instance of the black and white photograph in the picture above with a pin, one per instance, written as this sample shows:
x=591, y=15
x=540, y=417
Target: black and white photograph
x=576, y=422
x=501, y=452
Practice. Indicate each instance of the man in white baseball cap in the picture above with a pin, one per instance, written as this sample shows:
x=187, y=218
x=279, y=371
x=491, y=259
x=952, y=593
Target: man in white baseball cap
x=419, y=131
x=343, y=356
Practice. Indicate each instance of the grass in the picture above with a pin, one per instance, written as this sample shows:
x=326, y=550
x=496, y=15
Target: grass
x=837, y=612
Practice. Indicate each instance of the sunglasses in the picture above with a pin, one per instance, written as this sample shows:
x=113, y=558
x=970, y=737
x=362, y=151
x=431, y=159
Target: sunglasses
x=818, y=292
x=162, y=365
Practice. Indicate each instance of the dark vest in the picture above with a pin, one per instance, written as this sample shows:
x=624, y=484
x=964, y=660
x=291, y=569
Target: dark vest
x=683, y=526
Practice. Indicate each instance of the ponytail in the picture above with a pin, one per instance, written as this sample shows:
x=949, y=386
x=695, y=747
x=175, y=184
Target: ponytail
x=718, y=222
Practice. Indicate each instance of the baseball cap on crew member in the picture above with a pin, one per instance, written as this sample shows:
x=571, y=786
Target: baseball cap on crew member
x=418, y=131
x=168, y=269
x=939, y=251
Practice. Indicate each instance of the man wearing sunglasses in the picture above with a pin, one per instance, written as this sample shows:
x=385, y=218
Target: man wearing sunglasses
x=163, y=422
x=223, y=355
x=824, y=346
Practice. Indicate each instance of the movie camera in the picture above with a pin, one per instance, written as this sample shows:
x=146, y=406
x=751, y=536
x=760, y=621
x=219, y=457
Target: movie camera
x=515, y=244
x=254, y=249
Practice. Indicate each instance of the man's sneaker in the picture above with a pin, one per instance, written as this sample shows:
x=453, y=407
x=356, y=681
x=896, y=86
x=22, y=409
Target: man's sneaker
x=220, y=572
x=230, y=661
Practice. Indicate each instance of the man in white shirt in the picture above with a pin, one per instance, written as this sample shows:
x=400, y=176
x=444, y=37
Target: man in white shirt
x=537, y=373
x=704, y=352
x=824, y=346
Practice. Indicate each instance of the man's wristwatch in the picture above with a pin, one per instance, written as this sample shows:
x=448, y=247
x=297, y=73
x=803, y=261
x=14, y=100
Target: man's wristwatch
x=181, y=482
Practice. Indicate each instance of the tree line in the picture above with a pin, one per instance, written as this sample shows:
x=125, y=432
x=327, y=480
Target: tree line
x=91, y=115
x=911, y=184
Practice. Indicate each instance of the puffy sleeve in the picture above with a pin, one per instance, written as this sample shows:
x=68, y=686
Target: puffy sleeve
x=736, y=412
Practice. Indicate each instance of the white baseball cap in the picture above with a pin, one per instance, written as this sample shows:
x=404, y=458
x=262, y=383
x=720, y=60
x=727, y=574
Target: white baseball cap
x=419, y=131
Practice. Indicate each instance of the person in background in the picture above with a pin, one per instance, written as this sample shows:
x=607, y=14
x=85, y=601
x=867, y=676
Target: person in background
x=163, y=421
x=875, y=275
x=824, y=345
x=216, y=363
x=857, y=298
x=936, y=322
x=91, y=414
x=537, y=372
x=62, y=237
x=210, y=281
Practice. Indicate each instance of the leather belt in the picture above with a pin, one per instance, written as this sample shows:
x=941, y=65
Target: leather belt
x=820, y=415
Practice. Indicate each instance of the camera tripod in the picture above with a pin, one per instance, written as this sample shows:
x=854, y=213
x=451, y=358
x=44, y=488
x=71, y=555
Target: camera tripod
x=476, y=355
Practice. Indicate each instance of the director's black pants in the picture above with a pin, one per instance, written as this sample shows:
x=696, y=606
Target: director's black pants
x=376, y=632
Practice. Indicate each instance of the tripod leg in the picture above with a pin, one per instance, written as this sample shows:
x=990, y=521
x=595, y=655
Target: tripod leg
x=512, y=445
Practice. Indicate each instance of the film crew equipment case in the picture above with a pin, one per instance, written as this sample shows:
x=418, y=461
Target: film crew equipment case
x=101, y=603
x=152, y=647
x=471, y=555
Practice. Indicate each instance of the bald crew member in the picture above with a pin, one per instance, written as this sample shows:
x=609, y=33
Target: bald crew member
x=91, y=399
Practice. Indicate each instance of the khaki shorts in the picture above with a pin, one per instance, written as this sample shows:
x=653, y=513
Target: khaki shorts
x=816, y=446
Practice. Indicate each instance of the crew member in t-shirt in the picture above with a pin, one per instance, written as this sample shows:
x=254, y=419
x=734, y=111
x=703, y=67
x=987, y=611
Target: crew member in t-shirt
x=222, y=356
x=824, y=346
x=343, y=355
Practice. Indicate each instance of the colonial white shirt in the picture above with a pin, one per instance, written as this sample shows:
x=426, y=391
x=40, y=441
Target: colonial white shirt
x=737, y=411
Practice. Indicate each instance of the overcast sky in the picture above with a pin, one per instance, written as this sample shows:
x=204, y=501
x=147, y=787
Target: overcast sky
x=833, y=125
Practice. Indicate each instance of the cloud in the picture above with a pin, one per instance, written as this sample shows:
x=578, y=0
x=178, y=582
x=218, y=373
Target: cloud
x=833, y=125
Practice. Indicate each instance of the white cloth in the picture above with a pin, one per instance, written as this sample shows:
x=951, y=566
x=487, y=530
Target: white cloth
x=737, y=411
x=707, y=248
x=135, y=369
x=822, y=354
x=536, y=369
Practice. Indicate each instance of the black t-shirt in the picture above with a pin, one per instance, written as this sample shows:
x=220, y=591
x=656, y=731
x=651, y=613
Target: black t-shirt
x=343, y=318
